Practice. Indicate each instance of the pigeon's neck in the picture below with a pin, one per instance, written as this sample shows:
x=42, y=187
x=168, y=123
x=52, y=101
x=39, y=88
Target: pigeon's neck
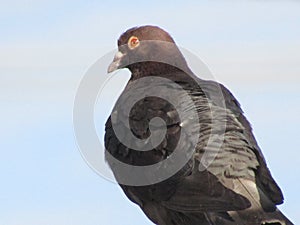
x=144, y=69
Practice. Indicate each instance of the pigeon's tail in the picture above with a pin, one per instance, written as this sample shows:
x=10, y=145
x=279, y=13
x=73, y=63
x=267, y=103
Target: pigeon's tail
x=262, y=210
x=249, y=219
x=223, y=218
x=260, y=218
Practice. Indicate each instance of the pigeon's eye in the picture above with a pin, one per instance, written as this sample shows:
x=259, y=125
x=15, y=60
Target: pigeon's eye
x=133, y=42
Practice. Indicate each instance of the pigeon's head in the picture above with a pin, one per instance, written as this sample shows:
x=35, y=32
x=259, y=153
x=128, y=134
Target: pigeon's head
x=147, y=50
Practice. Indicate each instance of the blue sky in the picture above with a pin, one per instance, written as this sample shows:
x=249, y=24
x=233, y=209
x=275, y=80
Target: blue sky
x=253, y=47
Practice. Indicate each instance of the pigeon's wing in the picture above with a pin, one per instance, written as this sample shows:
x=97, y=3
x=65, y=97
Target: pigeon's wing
x=239, y=163
x=263, y=176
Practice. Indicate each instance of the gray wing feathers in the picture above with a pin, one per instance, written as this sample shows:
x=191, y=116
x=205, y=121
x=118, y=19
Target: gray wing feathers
x=241, y=138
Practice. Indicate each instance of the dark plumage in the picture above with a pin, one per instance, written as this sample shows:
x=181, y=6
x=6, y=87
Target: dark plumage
x=236, y=188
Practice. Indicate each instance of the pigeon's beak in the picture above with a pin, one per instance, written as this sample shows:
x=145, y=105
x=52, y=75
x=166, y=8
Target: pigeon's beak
x=116, y=62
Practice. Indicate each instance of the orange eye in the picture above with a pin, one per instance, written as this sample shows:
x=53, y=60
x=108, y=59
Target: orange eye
x=133, y=42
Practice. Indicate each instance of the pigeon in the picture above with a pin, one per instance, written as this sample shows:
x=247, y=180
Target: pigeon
x=180, y=146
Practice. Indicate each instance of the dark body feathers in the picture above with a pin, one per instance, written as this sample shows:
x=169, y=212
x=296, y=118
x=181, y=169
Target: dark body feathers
x=236, y=188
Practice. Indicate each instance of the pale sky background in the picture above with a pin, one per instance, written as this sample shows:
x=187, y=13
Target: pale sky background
x=253, y=47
